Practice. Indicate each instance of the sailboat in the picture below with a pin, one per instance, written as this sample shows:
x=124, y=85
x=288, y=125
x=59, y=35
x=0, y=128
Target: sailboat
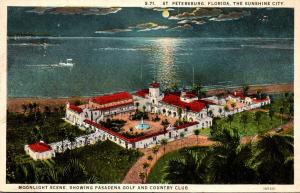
x=69, y=62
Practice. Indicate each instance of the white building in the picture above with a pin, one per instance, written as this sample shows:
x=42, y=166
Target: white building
x=99, y=108
x=184, y=105
x=39, y=151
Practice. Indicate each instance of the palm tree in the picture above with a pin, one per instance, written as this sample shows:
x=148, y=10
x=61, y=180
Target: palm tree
x=271, y=114
x=246, y=89
x=273, y=154
x=244, y=119
x=197, y=133
x=164, y=142
x=182, y=134
x=72, y=139
x=190, y=169
x=179, y=112
x=226, y=109
x=30, y=106
x=230, y=119
x=257, y=117
x=291, y=111
x=155, y=150
x=24, y=107
x=35, y=106
x=281, y=110
x=150, y=158
x=227, y=161
x=220, y=111
x=145, y=167
x=63, y=134
x=142, y=176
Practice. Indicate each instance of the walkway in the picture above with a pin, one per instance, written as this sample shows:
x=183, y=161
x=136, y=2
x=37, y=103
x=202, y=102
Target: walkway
x=132, y=176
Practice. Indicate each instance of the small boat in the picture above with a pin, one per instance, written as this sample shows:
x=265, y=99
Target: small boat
x=69, y=62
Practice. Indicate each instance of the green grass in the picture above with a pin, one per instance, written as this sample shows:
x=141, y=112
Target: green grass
x=20, y=131
x=205, y=131
x=106, y=160
x=251, y=127
x=156, y=173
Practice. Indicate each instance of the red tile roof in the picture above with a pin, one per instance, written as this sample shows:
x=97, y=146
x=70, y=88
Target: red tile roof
x=155, y=85
x=208, y=102
x=142, y=93
x=187, y=125
x=105, y=99
x=75, y=108
x=115, y=106
x=132, y=140
x=40, y=147
x=260, y=100
x=174, y=99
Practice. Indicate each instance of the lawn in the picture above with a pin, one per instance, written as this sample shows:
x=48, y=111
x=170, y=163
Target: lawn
x=252, y=127
x=106, y=160
x=156, y=174
x=20, y=131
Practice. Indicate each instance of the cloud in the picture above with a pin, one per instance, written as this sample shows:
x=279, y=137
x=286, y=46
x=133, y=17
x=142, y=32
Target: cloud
x=230, y=16
x=143, y=27
x=198, y=13
x=149, y=27
x=194, y=21
x=162, y=9
x=181, y=27
x=75, y=10
x=112, y=31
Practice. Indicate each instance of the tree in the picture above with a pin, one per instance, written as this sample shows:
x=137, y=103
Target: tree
x=30, y=106
x=257, y=117
x=182, y=134
x=47, y=111
x=190, y=169
x=227, y=159
x=24, y=107
x=142, y=176
x=179, y=112
x=273, y=154
x=63, y=136
x=145, y=167
x=230, y=119
x=144, y=108
x=164, y=142
x=220, y=111
x=291, y=111
x=150, y=158
x=72, y=139
x=198, y=88
x=271, y=114
x=244, y=119
x=197, y=133
x=155, y=150
x=246, y=89
x=281, y=110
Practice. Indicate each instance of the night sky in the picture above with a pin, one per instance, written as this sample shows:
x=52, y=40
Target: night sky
x=168, y=22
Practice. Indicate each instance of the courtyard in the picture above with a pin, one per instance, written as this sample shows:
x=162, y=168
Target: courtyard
x=153, y=120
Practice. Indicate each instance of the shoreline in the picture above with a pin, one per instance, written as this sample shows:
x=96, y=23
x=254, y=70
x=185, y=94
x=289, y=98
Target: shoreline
x=14, y=104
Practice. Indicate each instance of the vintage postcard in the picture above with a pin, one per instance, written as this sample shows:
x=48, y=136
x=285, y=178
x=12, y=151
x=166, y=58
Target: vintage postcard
x=149, y=96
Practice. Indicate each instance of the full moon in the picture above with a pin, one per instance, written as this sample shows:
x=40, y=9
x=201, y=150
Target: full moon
x=165, y=13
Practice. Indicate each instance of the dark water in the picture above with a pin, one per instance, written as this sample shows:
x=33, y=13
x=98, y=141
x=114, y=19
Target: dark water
x=104, y=65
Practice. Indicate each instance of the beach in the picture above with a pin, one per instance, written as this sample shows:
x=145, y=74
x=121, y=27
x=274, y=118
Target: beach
x=15, y=104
